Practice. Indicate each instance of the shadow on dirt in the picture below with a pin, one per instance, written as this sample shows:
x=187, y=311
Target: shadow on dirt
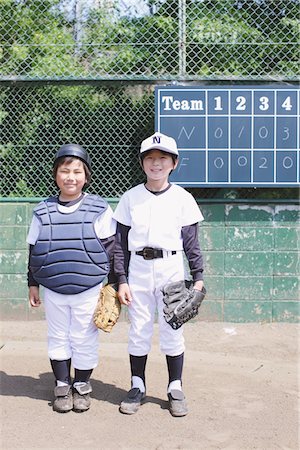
x=42, y=389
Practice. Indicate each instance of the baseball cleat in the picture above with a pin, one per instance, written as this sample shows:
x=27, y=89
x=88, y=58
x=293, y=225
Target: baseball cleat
x=177, y=403
x=132, y=401
x=63, y=401
x=81, y=403
x=81, y=396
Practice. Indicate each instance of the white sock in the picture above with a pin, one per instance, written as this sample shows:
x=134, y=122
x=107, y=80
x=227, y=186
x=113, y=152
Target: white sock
x=79, y=383
x=175, y=385
x=61, y=383
x=137, y=382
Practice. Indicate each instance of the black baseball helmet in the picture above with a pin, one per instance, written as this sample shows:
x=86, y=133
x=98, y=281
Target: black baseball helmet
x=74, y=150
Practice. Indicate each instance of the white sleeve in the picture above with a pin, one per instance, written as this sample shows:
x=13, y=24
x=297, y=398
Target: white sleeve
x=191, y=213
x=105, y=226
x=122, y=211
x=34, y=231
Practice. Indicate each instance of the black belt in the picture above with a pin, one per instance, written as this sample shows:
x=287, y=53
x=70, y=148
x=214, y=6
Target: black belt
x=152, y=253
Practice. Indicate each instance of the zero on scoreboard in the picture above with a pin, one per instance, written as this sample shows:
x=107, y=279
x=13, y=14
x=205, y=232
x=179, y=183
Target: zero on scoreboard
x=232, y=135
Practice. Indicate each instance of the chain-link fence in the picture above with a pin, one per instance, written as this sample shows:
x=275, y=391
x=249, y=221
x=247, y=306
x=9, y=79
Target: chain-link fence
x=154, y=39
x=108, y=122
x=83, y=71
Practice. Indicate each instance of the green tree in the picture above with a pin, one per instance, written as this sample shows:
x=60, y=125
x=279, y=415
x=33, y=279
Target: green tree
x=36, y=40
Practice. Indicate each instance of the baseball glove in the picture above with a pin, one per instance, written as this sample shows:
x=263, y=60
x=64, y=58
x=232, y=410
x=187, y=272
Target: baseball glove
x=108, y=308
x=182, y=302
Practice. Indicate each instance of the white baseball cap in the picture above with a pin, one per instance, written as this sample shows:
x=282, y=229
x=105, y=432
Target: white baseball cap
x=159, y=141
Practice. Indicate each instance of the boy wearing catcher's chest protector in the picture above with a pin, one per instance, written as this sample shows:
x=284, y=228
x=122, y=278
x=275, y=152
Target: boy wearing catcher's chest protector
x=71, y=240
x=157, y=222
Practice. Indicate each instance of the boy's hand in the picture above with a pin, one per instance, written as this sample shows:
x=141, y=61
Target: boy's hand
x=34, y=296
x=198, y=285
x=124, y=294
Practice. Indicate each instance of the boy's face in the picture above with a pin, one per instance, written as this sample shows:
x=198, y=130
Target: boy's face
x=70, y=178
x=157, y=165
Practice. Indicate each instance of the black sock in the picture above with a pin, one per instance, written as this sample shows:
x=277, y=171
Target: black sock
x=82, y=376
x=175, y=367
x=61, y=370
x=138, y=365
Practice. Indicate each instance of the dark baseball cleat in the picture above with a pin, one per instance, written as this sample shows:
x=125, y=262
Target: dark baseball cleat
x=177, y=403
x=132, y=401
x=63, y=401
x=81, y=397
x=81, y=403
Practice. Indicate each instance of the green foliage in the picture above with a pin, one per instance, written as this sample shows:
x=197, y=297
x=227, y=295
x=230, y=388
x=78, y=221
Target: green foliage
x=226, y=41
x=44, y=40
x=35, y=39
x=45, y=118
x=40, y=40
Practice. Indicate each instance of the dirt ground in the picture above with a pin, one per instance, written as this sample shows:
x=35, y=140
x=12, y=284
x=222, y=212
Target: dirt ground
x=240, y=381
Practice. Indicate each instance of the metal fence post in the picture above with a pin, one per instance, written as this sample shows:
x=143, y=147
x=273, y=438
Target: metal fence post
x=182, y=38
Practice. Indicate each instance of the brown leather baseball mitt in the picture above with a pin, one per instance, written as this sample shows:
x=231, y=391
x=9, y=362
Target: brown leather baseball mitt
x=108, y=308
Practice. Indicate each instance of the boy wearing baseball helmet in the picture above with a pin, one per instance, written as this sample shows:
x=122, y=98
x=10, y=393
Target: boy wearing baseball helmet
x=157, y=223
x=71, y=240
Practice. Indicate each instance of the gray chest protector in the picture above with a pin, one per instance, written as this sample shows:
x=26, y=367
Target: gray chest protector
x=68, y=257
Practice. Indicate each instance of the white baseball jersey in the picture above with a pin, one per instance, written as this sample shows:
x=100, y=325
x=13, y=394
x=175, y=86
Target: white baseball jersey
x=157, y=220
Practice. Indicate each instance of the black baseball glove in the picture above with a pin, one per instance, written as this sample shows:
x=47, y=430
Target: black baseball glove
x=182, y=302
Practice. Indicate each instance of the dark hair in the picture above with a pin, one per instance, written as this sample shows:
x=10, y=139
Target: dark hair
x=144, y=154
x=68, y=160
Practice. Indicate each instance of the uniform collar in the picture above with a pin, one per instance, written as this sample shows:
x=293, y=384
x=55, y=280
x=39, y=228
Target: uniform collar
x=159, y=192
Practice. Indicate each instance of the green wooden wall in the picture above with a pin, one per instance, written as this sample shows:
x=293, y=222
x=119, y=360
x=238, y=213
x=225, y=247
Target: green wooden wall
x=251, y=253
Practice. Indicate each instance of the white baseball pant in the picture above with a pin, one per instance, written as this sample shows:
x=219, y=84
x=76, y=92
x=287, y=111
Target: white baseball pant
x=71, y=331
x=146, y=279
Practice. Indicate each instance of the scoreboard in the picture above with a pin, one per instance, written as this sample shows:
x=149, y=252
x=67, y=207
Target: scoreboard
x=232, y=136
